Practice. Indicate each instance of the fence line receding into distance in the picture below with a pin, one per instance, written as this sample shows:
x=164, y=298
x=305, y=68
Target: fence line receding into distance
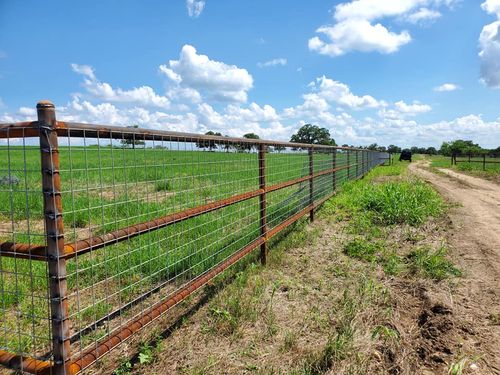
x=103, y=229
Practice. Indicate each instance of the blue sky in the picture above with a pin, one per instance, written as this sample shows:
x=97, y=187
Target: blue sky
x=410, y=72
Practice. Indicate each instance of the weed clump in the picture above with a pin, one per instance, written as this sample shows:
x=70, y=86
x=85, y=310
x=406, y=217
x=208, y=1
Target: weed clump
x=432, y=264
x=163, y=186
x=400, y=202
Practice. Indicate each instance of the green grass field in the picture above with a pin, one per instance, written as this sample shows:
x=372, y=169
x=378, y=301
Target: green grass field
x=475, y=169
x=108, y=188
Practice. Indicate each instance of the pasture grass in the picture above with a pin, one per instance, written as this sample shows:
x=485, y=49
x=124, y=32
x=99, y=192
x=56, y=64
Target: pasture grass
x=108, y=188
x=322, y=304
x=491, y=172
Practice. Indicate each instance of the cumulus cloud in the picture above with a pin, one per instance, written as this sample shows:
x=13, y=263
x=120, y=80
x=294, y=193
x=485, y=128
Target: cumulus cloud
x=423, y=15
x=213, y=79
x=326, y=102
x=195, y=7
x=274, y=62
x=489, y=44
x=143, y=95
x=401, y=110
x=340, y=93
x=356, y=29
x=446, y=87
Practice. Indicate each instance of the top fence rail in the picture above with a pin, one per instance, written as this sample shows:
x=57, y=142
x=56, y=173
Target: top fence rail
x=76, y=129
x=103, y=229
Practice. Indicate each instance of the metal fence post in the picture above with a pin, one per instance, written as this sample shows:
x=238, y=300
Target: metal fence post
x=484, y=162
x=311, y=184
x=348, y=166
x=262, y=202
x=334, y=165
x=54, y=232
x=357, y=165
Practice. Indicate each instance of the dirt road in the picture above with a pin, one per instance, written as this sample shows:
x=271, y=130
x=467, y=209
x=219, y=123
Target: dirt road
x=475, y=245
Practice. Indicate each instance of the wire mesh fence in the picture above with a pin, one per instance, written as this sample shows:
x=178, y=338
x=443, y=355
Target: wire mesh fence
x=484, y=161
x=103, y=229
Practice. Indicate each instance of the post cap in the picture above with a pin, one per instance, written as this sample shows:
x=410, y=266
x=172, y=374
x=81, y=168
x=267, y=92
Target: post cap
x=45, y=104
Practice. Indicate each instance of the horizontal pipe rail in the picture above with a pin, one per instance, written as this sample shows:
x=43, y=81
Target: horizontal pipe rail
x=38, y=252
x=24, y=364
x=121, y=334
x=478, y=161
x=72, y=363
x=75, y=129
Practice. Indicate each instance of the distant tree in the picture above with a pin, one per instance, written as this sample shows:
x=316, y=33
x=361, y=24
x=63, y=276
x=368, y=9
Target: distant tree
x=211, y=144
x=394, y=149
x=373, y=147
x=132, y=141
x=431, y=151
x=313, y=134
x=247, y=146
x=279, y=148
x=460, y=147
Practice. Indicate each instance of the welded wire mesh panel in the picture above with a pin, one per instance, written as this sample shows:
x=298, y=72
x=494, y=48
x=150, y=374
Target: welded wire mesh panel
x=24, y=308
x=147, y=218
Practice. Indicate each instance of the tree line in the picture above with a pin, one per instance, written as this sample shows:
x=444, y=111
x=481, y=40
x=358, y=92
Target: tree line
x=313, y=134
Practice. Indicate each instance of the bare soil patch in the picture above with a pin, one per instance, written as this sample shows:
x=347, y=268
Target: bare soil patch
x=475, y=241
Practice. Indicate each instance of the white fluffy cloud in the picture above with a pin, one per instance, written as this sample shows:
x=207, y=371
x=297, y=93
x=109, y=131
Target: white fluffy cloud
x=274, y=62
x=489, y=44
x=213, y=79
x=492, y=7
x=423, y=15
x=340, y=93
x=195, y=7
x=143, y=95
x=446, y=87
x=401, y=110
x=327, y=102
x=355, y=28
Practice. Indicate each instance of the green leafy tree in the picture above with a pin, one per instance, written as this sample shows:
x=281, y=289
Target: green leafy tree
x=279, y=148
x=431, y=151
x=313, y=134
x=460, y=147
x=247, y=146
x=394, y=149
x=211, y=144
x=133, y=141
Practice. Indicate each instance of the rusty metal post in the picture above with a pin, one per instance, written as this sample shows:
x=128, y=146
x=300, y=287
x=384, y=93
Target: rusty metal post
x=357, y=164
x=334, y=165
x=311, y=184
x=54, y=232
x=348, y=166
x=262, y=202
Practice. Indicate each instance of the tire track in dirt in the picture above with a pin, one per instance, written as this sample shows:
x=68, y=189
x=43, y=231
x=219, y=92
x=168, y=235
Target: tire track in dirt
x=475, y=245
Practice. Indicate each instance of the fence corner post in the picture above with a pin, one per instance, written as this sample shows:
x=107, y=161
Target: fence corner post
x=262, y=203
x=311, y=184
x=54, y=234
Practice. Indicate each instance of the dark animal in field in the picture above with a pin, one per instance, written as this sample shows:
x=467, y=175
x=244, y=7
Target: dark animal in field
x=405, y=155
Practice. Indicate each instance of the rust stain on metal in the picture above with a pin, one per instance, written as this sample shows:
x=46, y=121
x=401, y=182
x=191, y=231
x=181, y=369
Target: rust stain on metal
x=25, y=364
x=124, y=333
x=38, y=252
